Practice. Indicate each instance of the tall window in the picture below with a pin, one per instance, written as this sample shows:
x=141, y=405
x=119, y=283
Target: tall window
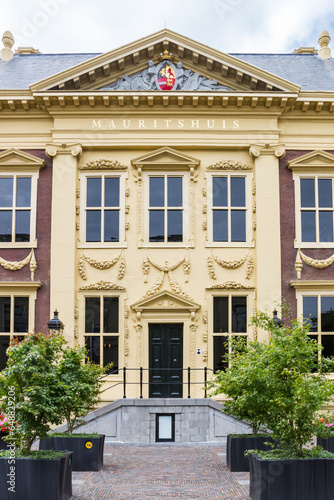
x=102, y=329
x=15, y=209
x=102, y=209
x=229, y=317
x=166, y=208
x=318, y=311
x=316, y=209
x=14, y=319
x=229, y=212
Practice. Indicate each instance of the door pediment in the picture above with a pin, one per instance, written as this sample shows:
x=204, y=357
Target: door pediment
x=165, y=300
x=100, y=72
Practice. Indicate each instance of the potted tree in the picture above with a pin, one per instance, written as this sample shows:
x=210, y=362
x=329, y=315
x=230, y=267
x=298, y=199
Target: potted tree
x=81, y=393
x=30, y=389
x=242, y=382
x=294, y=394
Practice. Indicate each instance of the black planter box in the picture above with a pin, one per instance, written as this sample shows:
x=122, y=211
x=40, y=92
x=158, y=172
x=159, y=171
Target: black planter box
x=36, y=479
x=327, y=444
x=87, y=451
x=299, y=479
x=3, y=444
x=236, y=447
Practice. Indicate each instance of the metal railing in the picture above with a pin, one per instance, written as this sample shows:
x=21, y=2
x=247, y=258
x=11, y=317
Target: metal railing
x=189, y=383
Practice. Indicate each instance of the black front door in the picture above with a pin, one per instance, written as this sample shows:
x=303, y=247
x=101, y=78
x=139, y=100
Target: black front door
x=166, y=360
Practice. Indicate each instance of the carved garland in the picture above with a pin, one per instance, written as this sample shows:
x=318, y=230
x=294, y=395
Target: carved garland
x=17, y=265
x=103, y=285
x=103, y=164
x=229, y=165
x=230, y=264
x=318, y=264
x=230, y=285
x=101, y=265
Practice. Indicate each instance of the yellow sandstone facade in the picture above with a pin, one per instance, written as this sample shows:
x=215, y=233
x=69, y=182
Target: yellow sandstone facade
x=166, y=219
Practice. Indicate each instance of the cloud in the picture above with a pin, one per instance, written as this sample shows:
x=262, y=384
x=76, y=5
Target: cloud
x=228, y=25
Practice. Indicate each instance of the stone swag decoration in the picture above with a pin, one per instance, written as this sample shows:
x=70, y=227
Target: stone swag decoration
x=230, y=264
x=17, y=265
x=165, y=76
x=166, y=269
x=101, y=265
x=318, y=264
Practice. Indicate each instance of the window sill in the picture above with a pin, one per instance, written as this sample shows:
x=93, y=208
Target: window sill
x=229, y=244
x=166, y=245
x=313, y=244
x=102, y=245
x=15, y=245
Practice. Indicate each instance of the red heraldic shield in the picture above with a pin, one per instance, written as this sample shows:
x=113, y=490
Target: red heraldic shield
x=166, y=77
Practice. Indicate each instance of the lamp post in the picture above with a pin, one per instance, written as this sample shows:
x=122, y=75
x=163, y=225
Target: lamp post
x=277, y=321
x=55, y=325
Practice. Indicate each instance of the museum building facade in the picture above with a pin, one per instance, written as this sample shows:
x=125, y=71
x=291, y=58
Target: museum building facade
x=157, y=195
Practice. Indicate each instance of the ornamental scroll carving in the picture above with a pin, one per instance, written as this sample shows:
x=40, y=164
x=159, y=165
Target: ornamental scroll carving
x=103, y=165
x=166, y=269
x=101, y=265
x=17, y=265
x=318, y=264
x=229, y=165
x=230, y=264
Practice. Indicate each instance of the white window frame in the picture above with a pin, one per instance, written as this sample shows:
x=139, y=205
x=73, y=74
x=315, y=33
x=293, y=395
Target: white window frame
x=298, y=209
x=20, y=289
x=32, y=243
x=83, y=176
x=186, y=223
x=327, y=290
x=250, y=304
x=248, y=208
x=82, y=311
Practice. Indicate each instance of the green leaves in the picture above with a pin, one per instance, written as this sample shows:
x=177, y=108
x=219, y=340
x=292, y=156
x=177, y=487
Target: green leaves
x=51, y=383
x=275, y=385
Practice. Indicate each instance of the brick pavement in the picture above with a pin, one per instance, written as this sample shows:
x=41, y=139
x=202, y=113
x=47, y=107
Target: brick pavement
x=145, y=472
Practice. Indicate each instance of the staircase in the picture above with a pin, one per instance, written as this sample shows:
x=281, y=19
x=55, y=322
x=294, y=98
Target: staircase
x=136, y=421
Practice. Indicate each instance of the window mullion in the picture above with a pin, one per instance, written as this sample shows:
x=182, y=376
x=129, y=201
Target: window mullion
x=229, y=210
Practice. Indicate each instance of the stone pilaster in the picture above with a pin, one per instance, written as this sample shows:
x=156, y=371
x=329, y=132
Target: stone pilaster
x=63, y=234
x=268, y=242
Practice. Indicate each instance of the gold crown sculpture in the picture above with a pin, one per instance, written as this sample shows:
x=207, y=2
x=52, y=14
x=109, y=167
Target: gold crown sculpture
x=166, y=55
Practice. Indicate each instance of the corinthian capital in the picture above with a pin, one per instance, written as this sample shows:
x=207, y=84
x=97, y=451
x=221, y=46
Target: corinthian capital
x=54, y=149
x=267, y=149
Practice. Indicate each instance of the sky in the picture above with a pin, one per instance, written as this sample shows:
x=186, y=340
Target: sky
x=94, y=26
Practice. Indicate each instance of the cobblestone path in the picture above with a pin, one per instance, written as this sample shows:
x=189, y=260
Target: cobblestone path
x=159, y=471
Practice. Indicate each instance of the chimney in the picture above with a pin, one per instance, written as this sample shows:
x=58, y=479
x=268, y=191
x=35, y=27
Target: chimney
x=8, y=41
x=324, y=52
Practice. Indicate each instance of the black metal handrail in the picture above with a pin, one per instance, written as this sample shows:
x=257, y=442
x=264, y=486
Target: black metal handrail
x=141, y=383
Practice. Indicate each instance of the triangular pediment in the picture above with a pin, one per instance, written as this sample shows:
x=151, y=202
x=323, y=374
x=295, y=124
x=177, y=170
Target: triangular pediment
x=105, y=70
x=316, y=161
x=165, y=300
x=16, y=159
x=167, y=157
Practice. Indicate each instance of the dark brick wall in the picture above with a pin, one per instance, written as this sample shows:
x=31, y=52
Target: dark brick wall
x=287, y=201
x=42, y=252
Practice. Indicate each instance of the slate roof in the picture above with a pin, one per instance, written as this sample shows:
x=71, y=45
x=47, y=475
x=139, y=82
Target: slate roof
x=306, y=70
